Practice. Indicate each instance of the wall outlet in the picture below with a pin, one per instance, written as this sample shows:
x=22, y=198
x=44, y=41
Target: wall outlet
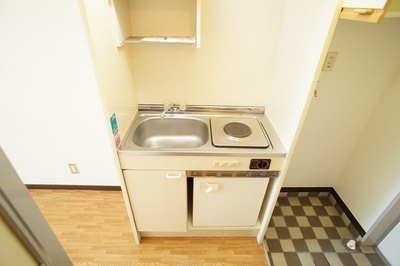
x=330, y=60
x=73, y=168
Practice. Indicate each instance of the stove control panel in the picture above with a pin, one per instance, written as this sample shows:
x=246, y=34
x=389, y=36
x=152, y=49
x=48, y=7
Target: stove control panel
x=260, y=163
x=228, y=164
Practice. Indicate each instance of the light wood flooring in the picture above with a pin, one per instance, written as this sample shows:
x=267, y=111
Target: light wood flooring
x=94, y=229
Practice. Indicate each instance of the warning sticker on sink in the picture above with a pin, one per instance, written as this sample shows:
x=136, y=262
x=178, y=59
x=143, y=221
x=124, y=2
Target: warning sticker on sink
x=114, y=128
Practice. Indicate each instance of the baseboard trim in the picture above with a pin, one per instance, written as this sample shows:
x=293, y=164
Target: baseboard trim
x=315, y=190
x=74, y=187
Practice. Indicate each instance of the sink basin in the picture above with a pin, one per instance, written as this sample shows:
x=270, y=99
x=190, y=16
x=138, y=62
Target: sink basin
x=171, y=132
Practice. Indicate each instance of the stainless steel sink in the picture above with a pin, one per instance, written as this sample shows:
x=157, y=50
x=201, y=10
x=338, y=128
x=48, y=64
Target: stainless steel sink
x=189, y=134
x=171, y=132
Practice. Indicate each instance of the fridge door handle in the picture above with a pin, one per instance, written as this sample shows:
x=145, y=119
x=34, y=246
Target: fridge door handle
x=211, y=187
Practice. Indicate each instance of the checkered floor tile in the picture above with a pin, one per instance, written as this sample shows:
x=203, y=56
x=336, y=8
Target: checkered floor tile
x=309, y=231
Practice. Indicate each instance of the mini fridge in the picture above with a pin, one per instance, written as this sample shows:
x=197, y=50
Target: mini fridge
x=224, y=202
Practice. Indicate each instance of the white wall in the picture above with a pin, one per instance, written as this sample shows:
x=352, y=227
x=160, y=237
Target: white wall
x=62, y=89
x=113, y=66
x=233, y=65
x=367, y=61
x=370, y=179
x=50, y=109
x=249, y=55
x=304, y=38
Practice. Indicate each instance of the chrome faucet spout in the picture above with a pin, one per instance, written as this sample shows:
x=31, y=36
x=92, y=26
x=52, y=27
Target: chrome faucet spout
x=167, y=106
x=173, y=108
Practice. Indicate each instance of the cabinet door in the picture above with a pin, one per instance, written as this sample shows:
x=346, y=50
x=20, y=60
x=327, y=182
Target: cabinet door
x=159, y=200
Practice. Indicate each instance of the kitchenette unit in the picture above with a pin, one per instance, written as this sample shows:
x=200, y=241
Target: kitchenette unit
x=203, y=171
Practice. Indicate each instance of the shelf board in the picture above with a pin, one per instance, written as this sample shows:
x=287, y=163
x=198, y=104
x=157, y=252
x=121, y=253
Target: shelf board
x=161, y=39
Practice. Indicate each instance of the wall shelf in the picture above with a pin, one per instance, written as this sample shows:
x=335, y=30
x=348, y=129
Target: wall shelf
x=160, y=39
x=157, y=21
x=373, y=11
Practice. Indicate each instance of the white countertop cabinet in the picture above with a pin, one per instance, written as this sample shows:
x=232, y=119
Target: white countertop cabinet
x=158, y=199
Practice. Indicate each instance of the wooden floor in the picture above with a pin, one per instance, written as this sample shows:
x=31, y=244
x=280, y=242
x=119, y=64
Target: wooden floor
x=94, y=229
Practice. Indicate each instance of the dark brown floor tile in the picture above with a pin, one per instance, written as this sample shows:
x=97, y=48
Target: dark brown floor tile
x=338, y=209
x=337, y=221
x=347, y=259
x=320, y=211
x=326, y=245
x=282, y=232
x=332, y=233
x=374, y=259
x=277, y=211
x=283, y=201
x=274, y=245
x=307, y=232
x=353, y=230
x=293, y=194
x=300, y=245
x=291, y=221
x=304, y=201
x=271, y=223
x=270, y=259
x=292, y=259
x=326, y=201
x=319, y=259
x=313, y=194
x=314, y=221
x=298, y=211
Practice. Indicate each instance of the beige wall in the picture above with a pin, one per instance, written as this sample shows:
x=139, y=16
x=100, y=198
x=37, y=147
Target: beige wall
x=112, y=65
x=350, y=137
x=370, y=179
x=233, y=65
x=367, y=61
x=63, y=86
x=249, y=55
x=304, y=39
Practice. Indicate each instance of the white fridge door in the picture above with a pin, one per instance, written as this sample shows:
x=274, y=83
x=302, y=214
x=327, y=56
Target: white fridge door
x=227, y=201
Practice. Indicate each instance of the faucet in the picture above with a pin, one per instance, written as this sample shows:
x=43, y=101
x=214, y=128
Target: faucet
x=175, y=108
x=167, y=106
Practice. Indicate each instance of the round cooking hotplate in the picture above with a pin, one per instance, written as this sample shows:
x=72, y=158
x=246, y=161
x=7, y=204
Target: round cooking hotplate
x=237, y=130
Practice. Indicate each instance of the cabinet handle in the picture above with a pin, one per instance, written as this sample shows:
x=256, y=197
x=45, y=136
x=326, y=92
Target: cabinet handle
x=363, y=11
x=174, y=176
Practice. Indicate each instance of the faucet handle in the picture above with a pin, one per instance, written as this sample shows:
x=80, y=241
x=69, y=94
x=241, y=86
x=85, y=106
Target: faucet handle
x=167, y=105
x=182, y=106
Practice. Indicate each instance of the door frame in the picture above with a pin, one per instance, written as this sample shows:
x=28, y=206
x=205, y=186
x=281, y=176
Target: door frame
x=389, y=218
x=24, y=218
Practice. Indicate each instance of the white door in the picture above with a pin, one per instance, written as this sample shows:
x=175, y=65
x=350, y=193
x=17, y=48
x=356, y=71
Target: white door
x=159, y=200
x=227, y=201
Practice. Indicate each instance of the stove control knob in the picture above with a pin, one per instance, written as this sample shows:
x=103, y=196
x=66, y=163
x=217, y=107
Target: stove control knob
x=263, y=164
x=260, y=163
